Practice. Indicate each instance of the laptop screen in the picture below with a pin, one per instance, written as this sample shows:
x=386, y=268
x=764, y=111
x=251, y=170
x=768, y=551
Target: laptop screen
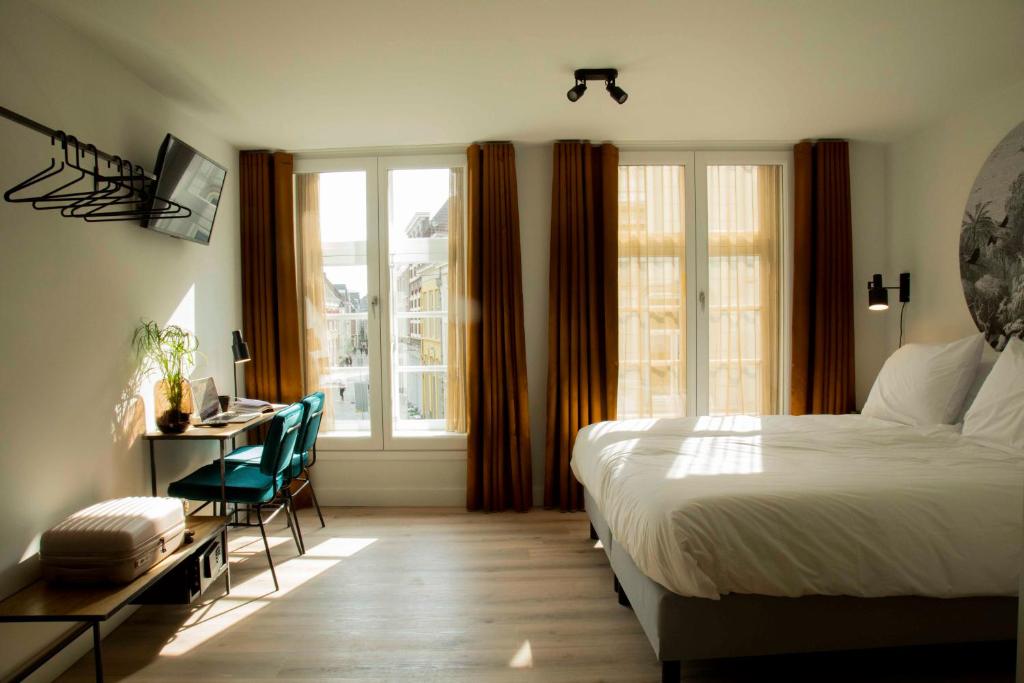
x=204, y=395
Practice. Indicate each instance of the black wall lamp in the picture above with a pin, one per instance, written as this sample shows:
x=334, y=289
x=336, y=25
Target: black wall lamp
x=606, y=75
x=878, y=295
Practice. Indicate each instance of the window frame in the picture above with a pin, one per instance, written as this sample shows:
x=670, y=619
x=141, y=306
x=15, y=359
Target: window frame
x=686, y=159
x=381, y=437
x=436, y=441
x=696, y=240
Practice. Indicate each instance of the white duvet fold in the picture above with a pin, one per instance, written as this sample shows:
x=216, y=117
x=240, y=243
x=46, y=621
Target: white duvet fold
x=791, y=506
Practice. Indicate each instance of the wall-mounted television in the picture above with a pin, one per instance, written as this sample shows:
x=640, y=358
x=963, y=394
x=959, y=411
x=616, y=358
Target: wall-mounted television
x=195, y=181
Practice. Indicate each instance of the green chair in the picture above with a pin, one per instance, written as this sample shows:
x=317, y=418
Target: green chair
x=255, y=484
x=303, y=458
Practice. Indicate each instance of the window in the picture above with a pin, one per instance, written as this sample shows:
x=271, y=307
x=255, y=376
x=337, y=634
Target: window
x=379, y=337
x=701, y=257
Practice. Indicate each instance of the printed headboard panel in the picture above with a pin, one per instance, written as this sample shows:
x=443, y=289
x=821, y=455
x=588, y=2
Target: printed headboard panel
x=992, y=243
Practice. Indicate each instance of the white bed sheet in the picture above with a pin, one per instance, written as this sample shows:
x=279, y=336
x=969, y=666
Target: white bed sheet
x=810, y=505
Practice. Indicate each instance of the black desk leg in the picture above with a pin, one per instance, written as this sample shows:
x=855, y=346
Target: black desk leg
x=97, y=651
x=223, y=486
x=152, y=465
x=227, y=561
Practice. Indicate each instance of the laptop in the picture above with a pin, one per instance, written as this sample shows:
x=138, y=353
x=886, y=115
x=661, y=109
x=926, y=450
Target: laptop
x=204, y=394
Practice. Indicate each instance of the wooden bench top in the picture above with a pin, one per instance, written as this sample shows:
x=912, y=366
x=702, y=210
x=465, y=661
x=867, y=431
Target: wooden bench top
x=42, y=601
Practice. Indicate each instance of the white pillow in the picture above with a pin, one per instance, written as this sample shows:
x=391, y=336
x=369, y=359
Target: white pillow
x=984, y=369
x=925, y=384
x=997, y=413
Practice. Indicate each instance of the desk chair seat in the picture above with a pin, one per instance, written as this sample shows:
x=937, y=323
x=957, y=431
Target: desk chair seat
x=244, y=482
x=255, y=484
x=250, y=455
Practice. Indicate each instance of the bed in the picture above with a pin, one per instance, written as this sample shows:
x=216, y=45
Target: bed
x=740, y=536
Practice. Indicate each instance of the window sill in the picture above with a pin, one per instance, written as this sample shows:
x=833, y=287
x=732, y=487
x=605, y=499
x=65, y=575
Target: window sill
x=390, y=456
x=425, y=443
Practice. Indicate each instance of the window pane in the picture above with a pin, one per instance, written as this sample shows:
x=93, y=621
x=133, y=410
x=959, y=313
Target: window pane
x=343, y=234
x=743, y=288
x=420, y=205
x=652, y=291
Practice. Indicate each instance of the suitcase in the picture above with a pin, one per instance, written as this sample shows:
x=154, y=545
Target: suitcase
x=114, y=541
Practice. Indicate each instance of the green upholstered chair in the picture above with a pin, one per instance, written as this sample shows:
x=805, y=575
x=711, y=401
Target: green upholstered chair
x=304, y=455
x=256, y=484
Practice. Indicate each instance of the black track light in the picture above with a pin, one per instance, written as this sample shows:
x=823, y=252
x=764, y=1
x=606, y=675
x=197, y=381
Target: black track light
x=576, y=91
x=606, y=75
x=617, y=93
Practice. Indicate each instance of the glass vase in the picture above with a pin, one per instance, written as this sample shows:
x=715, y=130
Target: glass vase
x=170, y=418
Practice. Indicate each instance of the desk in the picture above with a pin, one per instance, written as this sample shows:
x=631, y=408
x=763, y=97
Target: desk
x=222, y=434
x=87, y=606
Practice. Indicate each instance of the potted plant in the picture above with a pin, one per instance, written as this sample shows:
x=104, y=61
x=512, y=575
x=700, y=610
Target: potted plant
x=170, y=350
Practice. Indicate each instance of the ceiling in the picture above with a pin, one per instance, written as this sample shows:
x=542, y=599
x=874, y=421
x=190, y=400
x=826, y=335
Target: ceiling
x=323, y=74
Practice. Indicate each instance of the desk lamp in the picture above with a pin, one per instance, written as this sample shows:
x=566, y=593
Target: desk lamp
x=240, y=351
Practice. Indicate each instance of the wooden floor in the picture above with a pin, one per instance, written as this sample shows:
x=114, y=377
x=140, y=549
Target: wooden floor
x=444, y=595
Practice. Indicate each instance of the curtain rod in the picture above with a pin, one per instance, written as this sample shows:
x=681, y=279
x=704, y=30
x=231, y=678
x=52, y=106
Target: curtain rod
x=32, y=124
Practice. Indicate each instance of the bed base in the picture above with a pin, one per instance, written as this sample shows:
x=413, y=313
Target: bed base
x=681, y=628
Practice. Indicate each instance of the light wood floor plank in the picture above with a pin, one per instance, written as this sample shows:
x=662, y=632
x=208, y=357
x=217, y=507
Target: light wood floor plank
x=445, y=595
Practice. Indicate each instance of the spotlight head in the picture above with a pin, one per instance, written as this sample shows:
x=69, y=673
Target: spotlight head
x=576, y=91
x=617, y=93
x=878, y=295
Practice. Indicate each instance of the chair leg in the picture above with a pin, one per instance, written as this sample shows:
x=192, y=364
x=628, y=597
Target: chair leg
x=266, y=545
x=293, y=520
x=316, y=503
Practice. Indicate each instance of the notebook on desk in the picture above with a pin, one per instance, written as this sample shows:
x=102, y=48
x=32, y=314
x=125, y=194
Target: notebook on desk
x=204, y=394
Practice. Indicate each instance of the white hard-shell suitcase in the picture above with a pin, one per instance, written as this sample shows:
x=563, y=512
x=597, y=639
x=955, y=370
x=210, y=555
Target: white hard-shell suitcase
x=113, y=541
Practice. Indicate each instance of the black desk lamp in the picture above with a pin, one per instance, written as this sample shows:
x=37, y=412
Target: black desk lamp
x=240, y=351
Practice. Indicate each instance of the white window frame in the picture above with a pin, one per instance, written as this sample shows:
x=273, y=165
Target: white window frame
x=381, y=437
x=686, y=160
x=696, y=256
x=428, y=441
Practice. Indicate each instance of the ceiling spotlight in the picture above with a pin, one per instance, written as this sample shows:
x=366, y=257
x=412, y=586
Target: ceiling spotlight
x=617, y=93
x=576, y=91
x=606, y=75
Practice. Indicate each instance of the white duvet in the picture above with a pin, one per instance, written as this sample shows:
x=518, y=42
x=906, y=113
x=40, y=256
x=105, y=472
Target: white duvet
x=790, y=506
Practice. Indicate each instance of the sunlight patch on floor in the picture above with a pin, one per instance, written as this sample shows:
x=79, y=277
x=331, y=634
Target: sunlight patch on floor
x=257, y=592
x=523, y=658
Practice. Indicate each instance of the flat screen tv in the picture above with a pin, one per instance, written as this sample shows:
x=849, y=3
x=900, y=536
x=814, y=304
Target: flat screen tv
x=193, y=180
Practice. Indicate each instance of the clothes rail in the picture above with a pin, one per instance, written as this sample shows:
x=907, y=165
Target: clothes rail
x=84, y=182
x=53, y=133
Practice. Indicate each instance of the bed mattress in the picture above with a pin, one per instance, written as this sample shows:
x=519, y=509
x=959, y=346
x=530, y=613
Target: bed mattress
x=810, y=505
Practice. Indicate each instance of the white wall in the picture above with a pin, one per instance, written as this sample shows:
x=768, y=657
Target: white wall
x=533, y=170
x=930, y=175
x=72, y=293
x=867, y=195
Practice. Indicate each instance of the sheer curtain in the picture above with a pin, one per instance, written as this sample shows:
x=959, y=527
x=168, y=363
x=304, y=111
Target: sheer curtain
x=458, y=312
x=744, y=215
x=311, y=268
x=652, y=287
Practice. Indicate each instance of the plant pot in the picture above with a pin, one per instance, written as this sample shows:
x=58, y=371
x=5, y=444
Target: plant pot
x=172, y=412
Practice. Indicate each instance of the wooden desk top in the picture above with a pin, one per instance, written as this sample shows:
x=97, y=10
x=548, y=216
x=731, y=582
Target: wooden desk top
x=42, y=601
x=194, y=433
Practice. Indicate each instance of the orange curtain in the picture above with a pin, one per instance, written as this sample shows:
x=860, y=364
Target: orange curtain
x=823, y=371
x=583, y=307
x=499, y=474
x=270, y=303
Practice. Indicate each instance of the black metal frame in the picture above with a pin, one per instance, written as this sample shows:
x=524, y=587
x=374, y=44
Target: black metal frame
x=307, y=480
x=606, y=74
x=120, y=184
x=93, y=622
